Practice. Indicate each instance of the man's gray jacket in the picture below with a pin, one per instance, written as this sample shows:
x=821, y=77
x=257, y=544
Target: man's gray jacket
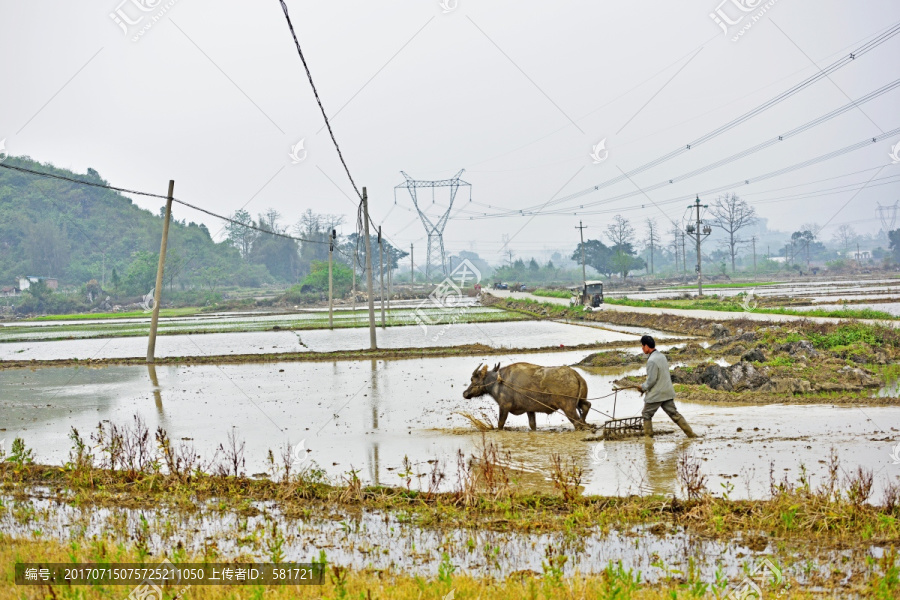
x=658, y=386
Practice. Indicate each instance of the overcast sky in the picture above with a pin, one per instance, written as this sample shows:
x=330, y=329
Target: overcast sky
x=214, y=96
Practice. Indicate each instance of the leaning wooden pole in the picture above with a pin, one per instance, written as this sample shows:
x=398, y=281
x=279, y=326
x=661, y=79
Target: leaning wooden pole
x=157, y=291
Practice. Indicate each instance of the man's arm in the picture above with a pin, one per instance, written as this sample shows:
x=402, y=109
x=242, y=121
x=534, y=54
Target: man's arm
x=652, y=376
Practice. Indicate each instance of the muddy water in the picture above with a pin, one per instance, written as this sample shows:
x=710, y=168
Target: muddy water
x=510, y=334
x=369, y=415
x=372, y=539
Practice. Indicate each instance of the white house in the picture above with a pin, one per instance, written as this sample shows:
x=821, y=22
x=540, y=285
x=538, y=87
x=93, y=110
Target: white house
x=25, y=282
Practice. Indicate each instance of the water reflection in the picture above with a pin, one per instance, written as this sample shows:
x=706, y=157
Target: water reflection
x=157, y=393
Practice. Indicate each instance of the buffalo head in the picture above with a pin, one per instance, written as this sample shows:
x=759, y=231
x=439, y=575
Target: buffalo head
x=481, y=380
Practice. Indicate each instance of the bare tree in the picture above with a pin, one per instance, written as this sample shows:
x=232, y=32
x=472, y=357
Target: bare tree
x=652, y=239
x=731, y=214
x=845, y=236
x=620, y=232
x=675, y=232
x=241, y=233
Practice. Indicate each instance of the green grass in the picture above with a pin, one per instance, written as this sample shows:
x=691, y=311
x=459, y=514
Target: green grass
x=552, y=293
x=734, y=305
x=289, y=322
x=163, y=312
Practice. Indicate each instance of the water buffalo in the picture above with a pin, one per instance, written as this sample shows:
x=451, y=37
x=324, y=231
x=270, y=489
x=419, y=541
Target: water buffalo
x=526, y=388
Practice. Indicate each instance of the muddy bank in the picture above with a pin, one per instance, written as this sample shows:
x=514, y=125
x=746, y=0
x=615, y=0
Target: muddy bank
x=664, y=322
x=343, y=355
x=806, y=363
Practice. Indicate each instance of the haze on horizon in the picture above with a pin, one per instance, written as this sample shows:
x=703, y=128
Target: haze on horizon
x=214, y=96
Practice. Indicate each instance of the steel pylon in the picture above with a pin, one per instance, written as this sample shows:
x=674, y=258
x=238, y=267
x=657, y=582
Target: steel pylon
x=436, y=262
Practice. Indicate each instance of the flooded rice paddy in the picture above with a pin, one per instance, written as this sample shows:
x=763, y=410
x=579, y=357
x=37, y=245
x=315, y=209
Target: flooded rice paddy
x=517, y=334
x=373, y=539
x=371, y=415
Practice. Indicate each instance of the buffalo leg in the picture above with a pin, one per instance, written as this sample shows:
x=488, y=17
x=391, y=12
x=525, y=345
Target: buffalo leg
x=575, y=418
x=532, y=422
x=501, y=421
x=583, y=408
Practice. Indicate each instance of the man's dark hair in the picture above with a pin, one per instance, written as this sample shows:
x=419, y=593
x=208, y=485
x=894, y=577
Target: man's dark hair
x=648, y=341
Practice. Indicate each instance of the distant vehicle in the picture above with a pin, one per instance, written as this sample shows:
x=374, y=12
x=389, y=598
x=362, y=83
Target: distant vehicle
x=500, y=286
x=591, y=294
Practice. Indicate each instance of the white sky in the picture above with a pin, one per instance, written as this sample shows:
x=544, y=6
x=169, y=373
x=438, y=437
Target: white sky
x=214, y=96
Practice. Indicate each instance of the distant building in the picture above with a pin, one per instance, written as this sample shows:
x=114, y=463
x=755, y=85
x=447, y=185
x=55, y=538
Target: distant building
x=9, y=290
x=25, y=282
x=861, y=255
x=778, y=259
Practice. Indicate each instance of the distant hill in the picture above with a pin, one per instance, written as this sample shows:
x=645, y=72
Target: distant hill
x=77, y=233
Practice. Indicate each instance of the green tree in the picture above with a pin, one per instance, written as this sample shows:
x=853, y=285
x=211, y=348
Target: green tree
x=894, y=237
x=140, y=277
x=317, y=280
x=598, y=256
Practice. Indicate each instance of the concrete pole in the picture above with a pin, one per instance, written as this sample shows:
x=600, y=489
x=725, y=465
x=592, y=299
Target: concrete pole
x=699, y=258
x=330, y=282
x=412, y=267
x=581, y=229
x=381, y=274
x=157, y=291
x=372, y=343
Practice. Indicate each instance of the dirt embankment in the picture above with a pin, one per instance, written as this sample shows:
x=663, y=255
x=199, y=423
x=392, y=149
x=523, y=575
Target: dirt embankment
x=663, y=322
x=808, y=363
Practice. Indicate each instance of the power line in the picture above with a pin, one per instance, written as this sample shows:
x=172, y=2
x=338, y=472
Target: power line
x=822, y=73
x=747, y=181
x=151, y=195
x=319, y=100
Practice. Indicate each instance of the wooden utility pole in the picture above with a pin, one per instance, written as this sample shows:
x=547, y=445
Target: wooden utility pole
x=581, y=229
x=857, y=255
x=157, y=291
x=381, y=274
x=330, y=280
x=372, y=343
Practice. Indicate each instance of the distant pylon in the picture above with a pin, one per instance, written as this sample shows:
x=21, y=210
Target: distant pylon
x=888, y=216
x=436, y=261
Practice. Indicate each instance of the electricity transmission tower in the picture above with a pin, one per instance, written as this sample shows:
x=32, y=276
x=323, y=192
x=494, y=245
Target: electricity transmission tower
x=436, y=260
x=888, y=216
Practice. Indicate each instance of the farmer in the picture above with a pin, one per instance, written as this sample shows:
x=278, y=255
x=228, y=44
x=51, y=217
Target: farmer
x=658, y=391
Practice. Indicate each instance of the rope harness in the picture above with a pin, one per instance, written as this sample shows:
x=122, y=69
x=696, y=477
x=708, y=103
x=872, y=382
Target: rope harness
x=615, y=394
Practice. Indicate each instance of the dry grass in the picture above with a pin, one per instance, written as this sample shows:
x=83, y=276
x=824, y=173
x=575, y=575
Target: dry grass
x=482, y=423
